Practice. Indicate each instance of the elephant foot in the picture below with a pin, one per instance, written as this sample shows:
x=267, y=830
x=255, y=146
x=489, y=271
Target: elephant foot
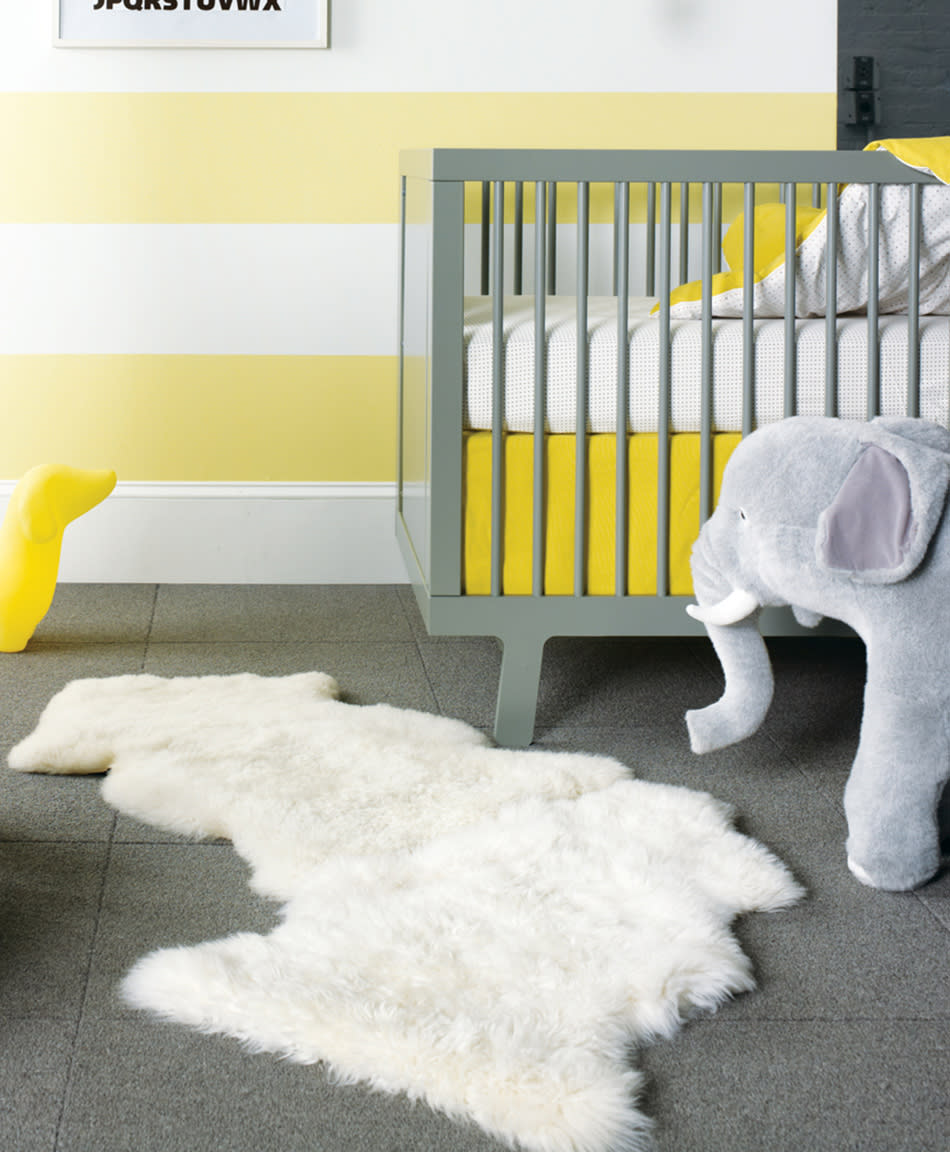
x=885, y=885
x=719, y=725
x=860, y=873
x=704, y=735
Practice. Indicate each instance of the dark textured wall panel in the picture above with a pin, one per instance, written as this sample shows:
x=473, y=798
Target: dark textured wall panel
x=910, y=40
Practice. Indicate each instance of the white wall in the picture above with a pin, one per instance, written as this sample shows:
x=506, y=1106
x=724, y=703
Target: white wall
x=488, y=45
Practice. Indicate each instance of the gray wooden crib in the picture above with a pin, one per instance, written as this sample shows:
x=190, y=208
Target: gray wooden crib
x=518, y=265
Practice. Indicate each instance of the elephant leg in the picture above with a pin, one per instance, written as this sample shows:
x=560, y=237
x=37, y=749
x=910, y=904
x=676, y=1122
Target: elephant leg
x=893, y=793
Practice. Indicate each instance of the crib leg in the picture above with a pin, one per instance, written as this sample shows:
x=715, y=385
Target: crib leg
x=518, y=691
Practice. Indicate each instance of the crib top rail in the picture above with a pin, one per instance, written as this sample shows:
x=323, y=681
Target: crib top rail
x=656, y=165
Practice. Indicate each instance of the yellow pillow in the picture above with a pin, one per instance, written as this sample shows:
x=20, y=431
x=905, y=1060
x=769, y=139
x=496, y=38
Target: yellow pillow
x=926, y=154
x=769, y=249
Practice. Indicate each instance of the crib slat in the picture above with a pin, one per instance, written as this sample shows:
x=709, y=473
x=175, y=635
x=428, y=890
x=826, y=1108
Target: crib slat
x=706, y=362
x=485, y=239
x=748, y=327
x=552, y=237
x=518, y=247
x=622, y=264
x=913, y=303
x=498, y=391
x=540, y=376
x=791, y=272
x=684, y=232
x=663, y=405
x=650, y=286
x=874, y=355
x=580, y=427
x=831, y=302
x=717, y=227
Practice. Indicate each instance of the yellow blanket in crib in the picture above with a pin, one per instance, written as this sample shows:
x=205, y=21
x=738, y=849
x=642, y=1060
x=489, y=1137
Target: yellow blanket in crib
x=560, y=454
x=928, y=154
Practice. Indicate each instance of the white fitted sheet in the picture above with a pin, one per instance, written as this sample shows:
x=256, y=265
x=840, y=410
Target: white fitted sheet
x=643, y=332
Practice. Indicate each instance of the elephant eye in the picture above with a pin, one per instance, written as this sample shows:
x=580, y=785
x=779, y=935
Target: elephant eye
x=742, y=514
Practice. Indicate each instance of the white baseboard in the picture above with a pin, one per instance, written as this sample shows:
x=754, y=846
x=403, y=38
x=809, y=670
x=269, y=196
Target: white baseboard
x=193, y=533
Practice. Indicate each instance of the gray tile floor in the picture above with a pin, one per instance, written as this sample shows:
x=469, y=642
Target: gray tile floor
x=846, y=1044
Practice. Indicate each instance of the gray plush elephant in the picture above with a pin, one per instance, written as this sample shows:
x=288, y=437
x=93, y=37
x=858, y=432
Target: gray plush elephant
x=843, y=519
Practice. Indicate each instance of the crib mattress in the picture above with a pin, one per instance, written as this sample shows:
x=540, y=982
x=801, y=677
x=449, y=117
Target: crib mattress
x=600, y=561
x=643, y=328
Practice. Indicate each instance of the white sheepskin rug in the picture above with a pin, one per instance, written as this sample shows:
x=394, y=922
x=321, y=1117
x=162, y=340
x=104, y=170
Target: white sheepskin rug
x=492, y=931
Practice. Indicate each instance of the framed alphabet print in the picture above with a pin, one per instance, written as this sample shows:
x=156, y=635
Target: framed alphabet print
x=190, y=23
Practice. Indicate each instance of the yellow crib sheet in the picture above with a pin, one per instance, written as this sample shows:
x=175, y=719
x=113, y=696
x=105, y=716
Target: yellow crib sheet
x=560, y=454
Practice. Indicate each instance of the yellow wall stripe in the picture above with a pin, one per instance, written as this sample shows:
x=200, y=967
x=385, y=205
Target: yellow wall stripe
x=332, y=156
x=202, y=418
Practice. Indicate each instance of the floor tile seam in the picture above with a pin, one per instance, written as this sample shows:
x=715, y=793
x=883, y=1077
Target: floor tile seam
x=615, y=725
x=921, y=899
x=87, y=974
x=417, y=644
x=407, y=609
x=850, y=1018
x=71, y=1021
x=295, y=642
x=92, y=642
x=830, y=799
x=119, y=842
x=709, y=669
x=151, y=619
x=151, y=625
x=62, y=840
x=609, y=726
x=548, y=723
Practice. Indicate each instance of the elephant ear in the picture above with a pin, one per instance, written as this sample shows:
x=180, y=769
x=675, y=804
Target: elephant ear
x=879, y=525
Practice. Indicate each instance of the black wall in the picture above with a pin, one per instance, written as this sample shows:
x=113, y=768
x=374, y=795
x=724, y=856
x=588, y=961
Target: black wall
x=910, y=40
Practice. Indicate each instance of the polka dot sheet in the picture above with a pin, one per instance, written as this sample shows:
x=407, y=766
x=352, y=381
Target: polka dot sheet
x=686, y=367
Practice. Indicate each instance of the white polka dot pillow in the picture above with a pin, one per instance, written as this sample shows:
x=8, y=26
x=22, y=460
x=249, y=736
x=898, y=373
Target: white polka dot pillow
x=932, y=155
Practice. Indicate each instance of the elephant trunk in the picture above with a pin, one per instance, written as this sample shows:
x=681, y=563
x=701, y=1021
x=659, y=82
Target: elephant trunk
x=745, y=664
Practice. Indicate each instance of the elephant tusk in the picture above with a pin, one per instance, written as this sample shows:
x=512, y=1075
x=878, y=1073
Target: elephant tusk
x=737, y=606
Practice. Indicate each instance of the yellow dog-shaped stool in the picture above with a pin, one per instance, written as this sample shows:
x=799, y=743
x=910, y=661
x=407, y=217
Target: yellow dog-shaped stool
x=45, y=500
